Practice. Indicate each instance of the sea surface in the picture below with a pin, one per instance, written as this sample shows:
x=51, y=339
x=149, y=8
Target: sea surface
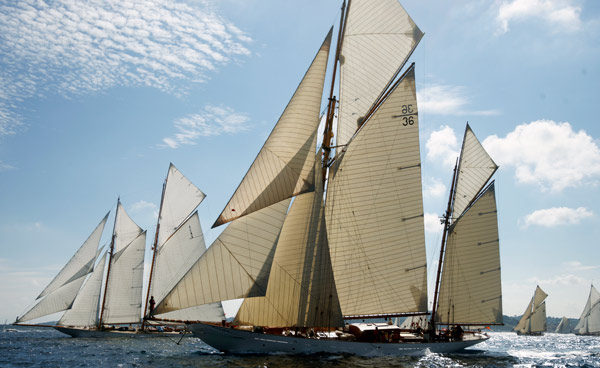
x=43, y=347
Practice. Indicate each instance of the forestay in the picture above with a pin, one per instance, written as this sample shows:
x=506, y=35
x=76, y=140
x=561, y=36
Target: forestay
x=374, y=212
x=470, y=291
x=284, y=166
x=379, y=37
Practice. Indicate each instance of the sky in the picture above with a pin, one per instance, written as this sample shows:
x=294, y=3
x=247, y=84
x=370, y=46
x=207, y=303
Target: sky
x=98, y=97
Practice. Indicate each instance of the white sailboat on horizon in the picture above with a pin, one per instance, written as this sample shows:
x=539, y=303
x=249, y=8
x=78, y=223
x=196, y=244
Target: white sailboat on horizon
x=589, y=322
x=533, y=321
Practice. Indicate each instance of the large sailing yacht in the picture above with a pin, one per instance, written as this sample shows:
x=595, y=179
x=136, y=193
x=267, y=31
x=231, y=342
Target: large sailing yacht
x=589, y=322
x=318, y=238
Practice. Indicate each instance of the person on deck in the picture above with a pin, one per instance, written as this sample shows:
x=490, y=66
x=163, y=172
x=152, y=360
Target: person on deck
x=152, y=303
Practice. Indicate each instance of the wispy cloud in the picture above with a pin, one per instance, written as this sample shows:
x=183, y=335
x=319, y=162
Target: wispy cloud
x=212, y=121
x=561, y=15
x=557, y=216
x=4, y=166
x=442, y=145
x=563, y=280
x=578, y=266
x=70, y=47
x=548, y=154
x=447, y=100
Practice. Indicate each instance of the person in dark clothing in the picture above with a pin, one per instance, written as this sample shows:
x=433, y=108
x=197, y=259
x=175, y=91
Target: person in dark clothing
x=152, y=303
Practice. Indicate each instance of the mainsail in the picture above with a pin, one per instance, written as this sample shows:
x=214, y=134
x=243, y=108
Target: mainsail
x=534, y=318
x=374, y=212
x=589, y=322
x=563, y=326
x=62, y=290
x=470, y=290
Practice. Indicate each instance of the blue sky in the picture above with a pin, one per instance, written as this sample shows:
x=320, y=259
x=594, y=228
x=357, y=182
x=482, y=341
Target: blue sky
x=97, y=98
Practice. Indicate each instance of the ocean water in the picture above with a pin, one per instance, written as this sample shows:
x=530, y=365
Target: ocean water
x=42, y=347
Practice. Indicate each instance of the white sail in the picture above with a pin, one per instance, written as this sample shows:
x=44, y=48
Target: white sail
x=181, y=197
x=534, y=318
x=563, y=326
x=236, y=265
x=379, y=37
x=124, y=288
x=301, y=290
x=470, y=290
x=589, y=321
x=538, y=319
x=284, y=166
x=81, y=263
x=125, y=229
x=57, y=301
x=212, y=312
x=375, y=212
x=475, y=168
x=176, y=256
x=86, y=305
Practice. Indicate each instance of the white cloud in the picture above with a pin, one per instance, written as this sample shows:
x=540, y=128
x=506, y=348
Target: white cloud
x=432, y=223
x=442, y=145
x=562, y=15
x=557, y=216
x=433, y=188
x=212, y=121
x=578, y=266
x=447, y=100
x=69, y=47
x=563, y=280
x=548, y=154
x=5, y=166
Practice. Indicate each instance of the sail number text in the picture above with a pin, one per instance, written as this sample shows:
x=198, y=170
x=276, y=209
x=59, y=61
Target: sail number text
x=407, y=116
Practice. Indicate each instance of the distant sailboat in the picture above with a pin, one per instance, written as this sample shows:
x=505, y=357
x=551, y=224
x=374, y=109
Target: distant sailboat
x=589, y=322
x=352, y=244
x=533, y=321
x=563, y=326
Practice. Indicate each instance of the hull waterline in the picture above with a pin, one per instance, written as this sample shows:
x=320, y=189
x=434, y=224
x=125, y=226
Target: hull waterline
x=235, y=341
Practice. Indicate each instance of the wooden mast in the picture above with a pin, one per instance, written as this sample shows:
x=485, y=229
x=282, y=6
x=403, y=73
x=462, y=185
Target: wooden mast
x=328, y=130
x=447, y=217
x=155, y=248
x=110, y=257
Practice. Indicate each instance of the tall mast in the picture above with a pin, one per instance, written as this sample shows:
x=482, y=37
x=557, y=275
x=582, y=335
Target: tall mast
x=155, y=247
x=447, y=217
x=110, y=258
x=328, y=130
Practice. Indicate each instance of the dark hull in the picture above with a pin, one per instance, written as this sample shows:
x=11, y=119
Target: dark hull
x=245, y=342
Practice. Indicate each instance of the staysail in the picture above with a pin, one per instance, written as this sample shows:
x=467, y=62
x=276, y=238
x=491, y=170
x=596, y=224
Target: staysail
x=284, y=166
x=86, y=305
x=236, y=265
x=62, y=290
x=374, y=212
x=379, y=37
x=301, y=290
x=81, y=263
